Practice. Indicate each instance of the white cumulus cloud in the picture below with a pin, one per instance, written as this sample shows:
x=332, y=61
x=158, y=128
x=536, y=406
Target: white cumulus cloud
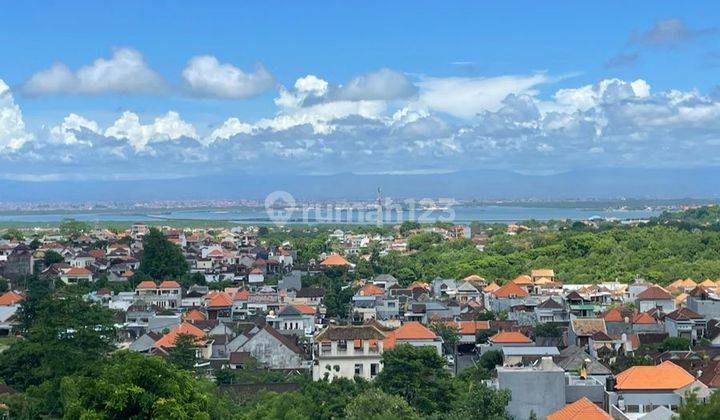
x=71, y=126
x=465, y=97
x=126, y=72
x=167, y=127
x=206, y=76
x=12, y=127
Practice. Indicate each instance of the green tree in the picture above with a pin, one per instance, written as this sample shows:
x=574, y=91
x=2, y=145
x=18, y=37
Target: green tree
x=449, y=333
x=73, y=229
x=13, y=234
x=131, y=385
x=374, y=404
x=694, y=409
x=675, y=344
x=490, y=359
x=183, y=354
x=418, y=375
x=161, y=258
x=52, y=257
x=482, y=402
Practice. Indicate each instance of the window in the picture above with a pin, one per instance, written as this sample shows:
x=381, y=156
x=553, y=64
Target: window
x=632, y=409
x=359, y=369
x=342, y=345
x=374, y=367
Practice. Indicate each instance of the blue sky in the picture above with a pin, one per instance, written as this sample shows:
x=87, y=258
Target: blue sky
x=367, y=87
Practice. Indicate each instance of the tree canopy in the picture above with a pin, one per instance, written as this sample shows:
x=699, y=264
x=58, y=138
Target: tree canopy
x=162, y=259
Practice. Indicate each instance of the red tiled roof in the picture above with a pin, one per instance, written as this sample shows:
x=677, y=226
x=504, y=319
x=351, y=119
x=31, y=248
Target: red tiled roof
x=654, y=293
x=644, y=318
x=146, y=284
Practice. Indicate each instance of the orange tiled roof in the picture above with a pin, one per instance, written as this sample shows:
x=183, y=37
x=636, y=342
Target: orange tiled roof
x=666, y=375
x=168, y=340
x=169, y=284
x=146, y=284
x=334, y=260
x=644, y=318
x=408, y=331
x=681, y=298
x=613, y=315
x=243, y=294
x=10, y=298
x=523, y=280
x=219, y=299
x=469, y=327
x=707, y=283
x=510, y=289
x=305, y=309
x=195, y=315
x=473, y=277
x=582, y=409
x=509, y=337
x=371, y=290
x=78, y=271
x=491, y=287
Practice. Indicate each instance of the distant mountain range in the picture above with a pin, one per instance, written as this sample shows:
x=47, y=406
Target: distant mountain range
x=481, y=184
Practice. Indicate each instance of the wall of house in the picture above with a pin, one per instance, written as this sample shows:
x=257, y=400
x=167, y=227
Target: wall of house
x=548, y=398
x=667, y=306
x=708, y=308
x=269, y=351
x=642, y=399
x=344, y=367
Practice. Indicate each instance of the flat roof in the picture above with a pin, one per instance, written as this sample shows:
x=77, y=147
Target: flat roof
x=530, y=351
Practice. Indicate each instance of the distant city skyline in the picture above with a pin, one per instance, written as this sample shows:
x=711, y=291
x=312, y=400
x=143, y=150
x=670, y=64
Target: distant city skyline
x=163, y=90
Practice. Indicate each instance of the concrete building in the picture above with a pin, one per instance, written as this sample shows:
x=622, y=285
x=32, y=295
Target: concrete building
x=347, y=351
x=704, y=302
x=546, y=378
x=655, y=297
x=639, y=390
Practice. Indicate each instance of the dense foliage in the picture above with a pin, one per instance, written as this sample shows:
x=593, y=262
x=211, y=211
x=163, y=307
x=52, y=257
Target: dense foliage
x=161, y=258
x=658, y=253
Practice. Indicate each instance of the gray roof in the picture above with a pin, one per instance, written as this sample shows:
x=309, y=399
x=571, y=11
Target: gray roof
x=530, y=351
x=573, y=358
x=660, y=413
x=291, y=281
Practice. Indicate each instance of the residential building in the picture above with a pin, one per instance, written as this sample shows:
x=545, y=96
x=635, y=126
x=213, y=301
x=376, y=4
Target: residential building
x=641, y=389
x=655, y=297
x=685, y=322
x=348, y=351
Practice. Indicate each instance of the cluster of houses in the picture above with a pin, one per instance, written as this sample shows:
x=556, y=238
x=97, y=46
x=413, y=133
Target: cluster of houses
x=267, y=319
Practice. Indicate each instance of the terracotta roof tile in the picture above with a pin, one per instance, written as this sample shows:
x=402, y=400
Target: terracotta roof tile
x=219, y=300
x=666, y=376
x=509, y=337
x=510, y=289
x=168, y=340
x=146, y=284
x=582, y=409
x=655, y=293
x=334, y=260
x=10, y=298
